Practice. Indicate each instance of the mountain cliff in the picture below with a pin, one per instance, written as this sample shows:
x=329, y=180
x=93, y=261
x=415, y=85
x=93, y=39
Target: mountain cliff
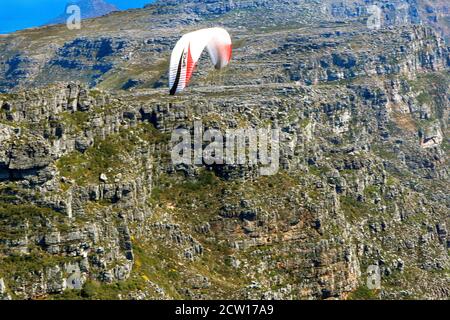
x=92, y=207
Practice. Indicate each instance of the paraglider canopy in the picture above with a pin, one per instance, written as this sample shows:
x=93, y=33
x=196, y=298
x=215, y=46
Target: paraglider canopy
x=188, y=50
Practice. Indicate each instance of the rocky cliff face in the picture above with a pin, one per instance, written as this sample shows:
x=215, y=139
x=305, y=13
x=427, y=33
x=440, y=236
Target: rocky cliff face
x=91, y=205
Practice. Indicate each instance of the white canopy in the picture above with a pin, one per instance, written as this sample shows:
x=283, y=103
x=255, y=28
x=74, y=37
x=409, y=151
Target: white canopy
x=189, y=49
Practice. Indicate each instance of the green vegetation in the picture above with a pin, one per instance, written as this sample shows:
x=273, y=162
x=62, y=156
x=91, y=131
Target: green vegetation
x=354, y=209
x=424, y=98
x=318, y=171
x=431, y=89
x=77, y=120
x=364, y=293
x=206, y=179
x=372, y=191
x=204, y=189
x=107, y=155
x=384, y=152
x=13, y=215
x=26, y=266
x=95, y=290
x=148, y=75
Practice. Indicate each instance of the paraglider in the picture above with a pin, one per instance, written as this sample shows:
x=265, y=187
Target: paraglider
x=188, y=50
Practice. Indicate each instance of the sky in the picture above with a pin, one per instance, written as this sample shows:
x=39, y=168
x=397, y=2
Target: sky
x=20, y=14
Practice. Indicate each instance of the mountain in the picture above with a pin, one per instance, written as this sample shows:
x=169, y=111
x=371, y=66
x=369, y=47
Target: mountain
x=92, y=206
x=88, y=9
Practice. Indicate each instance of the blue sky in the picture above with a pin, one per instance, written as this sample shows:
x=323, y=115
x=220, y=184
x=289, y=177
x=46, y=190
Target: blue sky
x=20, y=14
